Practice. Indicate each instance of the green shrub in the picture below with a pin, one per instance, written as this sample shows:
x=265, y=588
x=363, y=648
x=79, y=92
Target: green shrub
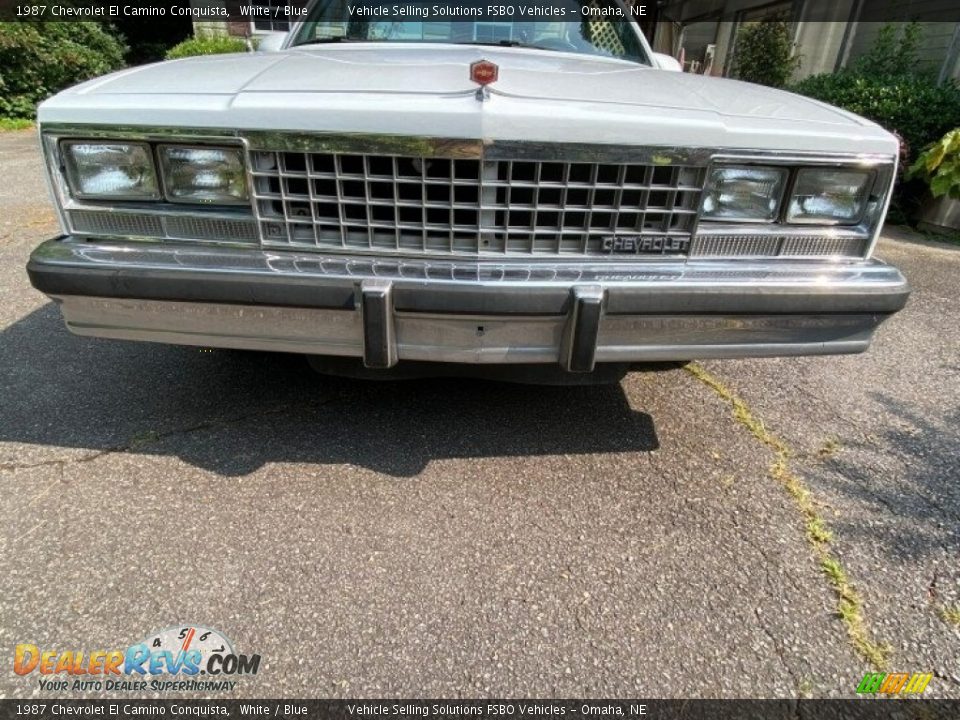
x=914, y=107
x=764, y=54
x=939, y=166
x=889, y=86
x=892, y=54
x=207, y=45
x=40, y=59
x=7, y=124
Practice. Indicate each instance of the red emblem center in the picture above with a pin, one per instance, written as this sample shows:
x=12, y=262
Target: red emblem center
x=484, y=72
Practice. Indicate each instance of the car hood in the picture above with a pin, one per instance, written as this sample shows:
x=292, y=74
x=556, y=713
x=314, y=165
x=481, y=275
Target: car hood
x=397, y=77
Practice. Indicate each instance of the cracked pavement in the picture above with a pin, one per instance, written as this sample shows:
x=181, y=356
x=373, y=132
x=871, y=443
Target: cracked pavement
x=466, y=538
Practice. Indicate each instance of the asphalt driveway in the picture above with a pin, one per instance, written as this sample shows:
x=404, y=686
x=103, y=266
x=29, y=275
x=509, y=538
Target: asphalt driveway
x=468, y=538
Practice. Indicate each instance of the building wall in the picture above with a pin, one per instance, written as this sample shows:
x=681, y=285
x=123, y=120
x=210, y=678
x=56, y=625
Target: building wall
x=240, y=28
x=820, y=32
x=829, y=34
x=819, y=45
x=818, y=29
x=938, y=40
x=209, y=27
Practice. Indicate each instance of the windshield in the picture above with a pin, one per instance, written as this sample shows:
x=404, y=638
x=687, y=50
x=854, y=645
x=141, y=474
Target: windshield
x=601, y=27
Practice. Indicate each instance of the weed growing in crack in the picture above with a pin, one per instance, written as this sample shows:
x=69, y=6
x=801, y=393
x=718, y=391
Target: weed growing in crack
x=819, y=536
x=951, y=615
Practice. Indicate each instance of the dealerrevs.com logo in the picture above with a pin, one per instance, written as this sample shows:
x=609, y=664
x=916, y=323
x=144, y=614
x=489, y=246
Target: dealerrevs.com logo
x=184, y=658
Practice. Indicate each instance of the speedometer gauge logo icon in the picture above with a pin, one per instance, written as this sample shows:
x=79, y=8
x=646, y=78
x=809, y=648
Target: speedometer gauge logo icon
x=189, y=649
x=190, y=637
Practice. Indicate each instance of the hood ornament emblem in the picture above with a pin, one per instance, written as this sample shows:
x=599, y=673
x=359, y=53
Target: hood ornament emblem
x=483, y=73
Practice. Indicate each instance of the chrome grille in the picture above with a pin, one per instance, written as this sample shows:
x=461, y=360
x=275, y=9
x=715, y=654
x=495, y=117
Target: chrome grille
x=384, y=203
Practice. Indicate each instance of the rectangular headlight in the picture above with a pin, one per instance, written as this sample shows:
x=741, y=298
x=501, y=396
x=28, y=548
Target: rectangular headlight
x=110, y=170
x=826, y=195
x=208, y=175
x=743, y=192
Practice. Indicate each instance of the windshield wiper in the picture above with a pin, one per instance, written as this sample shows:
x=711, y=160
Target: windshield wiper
x=503, y=43
x=345, y=39
x=334, y=39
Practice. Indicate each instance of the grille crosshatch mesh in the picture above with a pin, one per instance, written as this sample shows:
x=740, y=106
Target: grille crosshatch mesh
x=776, y=246
x=468, y=206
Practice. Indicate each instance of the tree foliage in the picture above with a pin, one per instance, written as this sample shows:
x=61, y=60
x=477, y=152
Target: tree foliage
x=764, y=54
x=38, y=59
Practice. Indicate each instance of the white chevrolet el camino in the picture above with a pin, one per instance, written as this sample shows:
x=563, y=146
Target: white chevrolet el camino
x=547, y=196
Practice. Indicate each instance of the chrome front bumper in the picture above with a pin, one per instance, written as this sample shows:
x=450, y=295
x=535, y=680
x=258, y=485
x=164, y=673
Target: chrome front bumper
x=384, y=311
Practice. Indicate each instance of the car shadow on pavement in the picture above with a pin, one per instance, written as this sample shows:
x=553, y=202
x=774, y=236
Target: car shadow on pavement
x=232, y=412
x=923, y=488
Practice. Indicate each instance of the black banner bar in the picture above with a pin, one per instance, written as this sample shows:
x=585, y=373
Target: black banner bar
x=360, y=11
x=513, y=709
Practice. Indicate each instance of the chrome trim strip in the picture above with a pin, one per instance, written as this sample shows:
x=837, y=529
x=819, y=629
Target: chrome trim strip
x=880, y=213
x=365, y=143
x=55, y=178
x=467, y=148
x=117, y=255
x=136, y=132
x=790, y=157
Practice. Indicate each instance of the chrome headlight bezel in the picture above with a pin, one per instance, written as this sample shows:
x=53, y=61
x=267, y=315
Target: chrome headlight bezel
x=170, y=191
x=74, y=182
x=153, y=155
x=878, y=176
x=782, y=238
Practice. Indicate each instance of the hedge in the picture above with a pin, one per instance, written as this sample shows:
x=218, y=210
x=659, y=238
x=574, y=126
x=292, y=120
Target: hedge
x=38, y=60
x=207, y=45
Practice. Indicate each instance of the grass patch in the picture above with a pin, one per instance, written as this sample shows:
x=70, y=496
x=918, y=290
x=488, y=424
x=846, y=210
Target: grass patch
x=818, y=534
x=7, y=124
x=945, y=235
x=952, y=238
x=829, y=448
x=951, y=615
x=142, y=439
x=817, y=531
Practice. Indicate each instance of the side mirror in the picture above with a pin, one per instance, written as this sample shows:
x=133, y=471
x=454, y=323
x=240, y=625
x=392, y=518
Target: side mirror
x=667, y=62
x=272, y=42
